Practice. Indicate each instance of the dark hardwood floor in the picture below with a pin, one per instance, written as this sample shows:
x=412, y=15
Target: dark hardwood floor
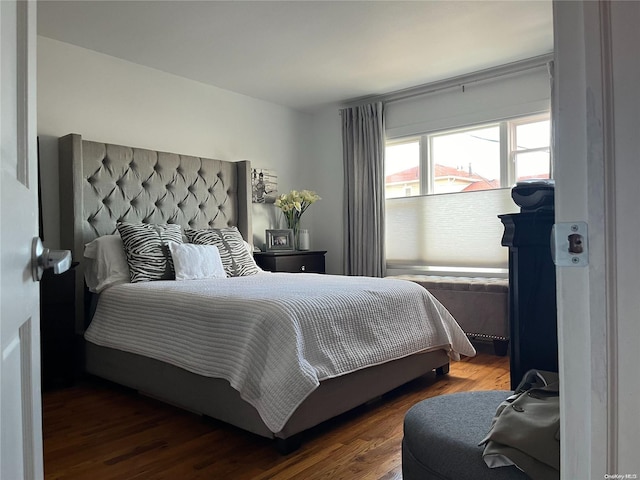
x=98, y=431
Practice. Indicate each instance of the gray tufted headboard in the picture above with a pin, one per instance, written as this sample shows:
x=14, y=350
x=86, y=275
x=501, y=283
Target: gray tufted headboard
x=101, y=184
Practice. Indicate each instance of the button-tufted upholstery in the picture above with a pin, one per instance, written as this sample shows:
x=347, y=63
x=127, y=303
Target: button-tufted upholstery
x=480, y=305
x=101, y=184
x=136, y=185
x=472, y=284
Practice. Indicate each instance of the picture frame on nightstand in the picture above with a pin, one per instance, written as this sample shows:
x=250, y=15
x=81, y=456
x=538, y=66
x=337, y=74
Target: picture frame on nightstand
x=279, y=240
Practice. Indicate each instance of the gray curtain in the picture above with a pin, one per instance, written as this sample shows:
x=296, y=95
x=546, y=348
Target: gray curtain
x=363, y=156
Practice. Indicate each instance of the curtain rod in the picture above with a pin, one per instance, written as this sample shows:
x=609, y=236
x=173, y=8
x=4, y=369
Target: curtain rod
x=459, y=81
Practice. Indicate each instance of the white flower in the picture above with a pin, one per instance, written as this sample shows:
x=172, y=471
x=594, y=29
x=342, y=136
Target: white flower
x=294, y=204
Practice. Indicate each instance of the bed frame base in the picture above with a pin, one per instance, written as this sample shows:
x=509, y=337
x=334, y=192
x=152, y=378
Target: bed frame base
x=215, y=398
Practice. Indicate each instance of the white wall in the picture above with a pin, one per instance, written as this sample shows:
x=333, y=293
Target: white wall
x=325, y=172
x=111, y=100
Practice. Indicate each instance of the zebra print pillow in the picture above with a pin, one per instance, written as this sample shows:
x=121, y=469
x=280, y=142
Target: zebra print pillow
x=236, y=259
x=146, y=247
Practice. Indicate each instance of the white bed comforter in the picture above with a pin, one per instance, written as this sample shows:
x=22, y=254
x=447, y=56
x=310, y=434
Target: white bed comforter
x=275, y=336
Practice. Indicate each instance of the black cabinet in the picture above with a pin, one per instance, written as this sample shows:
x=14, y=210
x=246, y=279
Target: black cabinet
x=57, y=328
x=532, y=293
x=294, y=261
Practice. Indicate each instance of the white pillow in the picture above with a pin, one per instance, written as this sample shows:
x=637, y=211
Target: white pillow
x=106, y=263
x=196, y=262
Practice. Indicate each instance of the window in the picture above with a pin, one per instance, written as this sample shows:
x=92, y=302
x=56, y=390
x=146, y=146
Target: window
x=530, y=148
x=402, y=162
x=445, y=190
x=482, y=157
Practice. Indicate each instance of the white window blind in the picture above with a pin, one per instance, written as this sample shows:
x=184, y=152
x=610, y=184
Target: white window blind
x=459, y=230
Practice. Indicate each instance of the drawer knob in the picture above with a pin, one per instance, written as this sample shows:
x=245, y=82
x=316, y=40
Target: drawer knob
x=303, y=268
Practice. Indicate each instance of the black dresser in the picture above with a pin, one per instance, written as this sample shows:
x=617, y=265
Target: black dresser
x=532, y=293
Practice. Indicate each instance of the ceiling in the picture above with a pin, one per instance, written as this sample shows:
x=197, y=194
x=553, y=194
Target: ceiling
x=306, y=54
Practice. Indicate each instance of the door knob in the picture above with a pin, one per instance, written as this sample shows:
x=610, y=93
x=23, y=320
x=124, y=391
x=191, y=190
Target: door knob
x=43, y=258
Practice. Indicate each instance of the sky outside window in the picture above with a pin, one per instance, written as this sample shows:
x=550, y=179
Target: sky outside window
x=472, y=151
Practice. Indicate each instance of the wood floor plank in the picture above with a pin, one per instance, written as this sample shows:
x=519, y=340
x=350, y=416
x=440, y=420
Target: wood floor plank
x=100, y=431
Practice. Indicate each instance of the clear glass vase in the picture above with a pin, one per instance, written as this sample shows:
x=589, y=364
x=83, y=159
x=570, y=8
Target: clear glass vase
x=295, y=226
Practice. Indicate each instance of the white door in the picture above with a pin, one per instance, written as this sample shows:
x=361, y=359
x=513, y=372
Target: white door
x=597, y=171
x=20, y=404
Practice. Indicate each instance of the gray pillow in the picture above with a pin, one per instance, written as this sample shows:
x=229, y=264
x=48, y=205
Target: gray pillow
x=146, y=247
x=237, y=261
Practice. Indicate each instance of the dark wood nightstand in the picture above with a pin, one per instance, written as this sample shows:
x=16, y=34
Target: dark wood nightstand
x=57, y=328
x=294, y=261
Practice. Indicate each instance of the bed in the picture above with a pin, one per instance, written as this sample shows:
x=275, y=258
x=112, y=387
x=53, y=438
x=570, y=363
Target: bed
x=295, y=350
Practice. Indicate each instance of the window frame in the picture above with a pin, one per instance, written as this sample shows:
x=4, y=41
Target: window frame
x=513, y=139
x=508, y=149
x=403, y=141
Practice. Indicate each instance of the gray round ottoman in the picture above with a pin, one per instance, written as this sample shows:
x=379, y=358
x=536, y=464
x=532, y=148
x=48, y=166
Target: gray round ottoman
x=441, y=436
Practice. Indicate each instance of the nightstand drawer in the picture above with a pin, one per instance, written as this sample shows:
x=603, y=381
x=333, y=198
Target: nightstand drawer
x=292, y=261
x=301, y=263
